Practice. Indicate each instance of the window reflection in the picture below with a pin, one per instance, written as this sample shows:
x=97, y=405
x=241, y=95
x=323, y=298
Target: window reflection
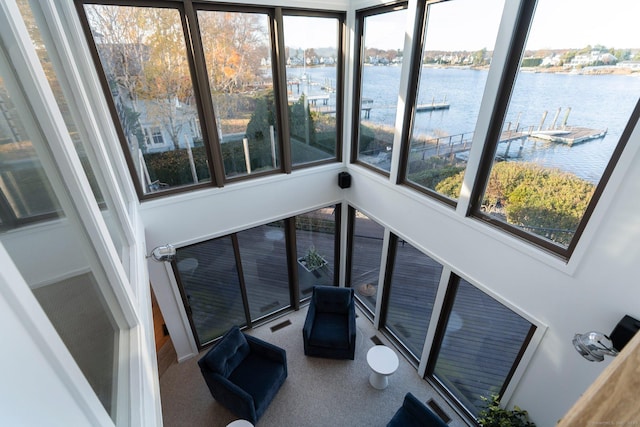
x=25, y=192
x=413, y=288
x=60, y=272
x=482, y=341
x=264, y=268
x=366, y=255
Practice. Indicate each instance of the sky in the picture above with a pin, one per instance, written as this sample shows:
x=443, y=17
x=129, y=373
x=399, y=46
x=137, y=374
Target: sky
x=473, y=25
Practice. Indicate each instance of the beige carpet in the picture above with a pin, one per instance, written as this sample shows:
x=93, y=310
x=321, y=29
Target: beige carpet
x=317, y=392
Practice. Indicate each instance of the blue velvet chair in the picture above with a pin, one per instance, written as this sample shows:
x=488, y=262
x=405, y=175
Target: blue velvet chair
x=330, y=326
x=414, y=413
x=244, y=373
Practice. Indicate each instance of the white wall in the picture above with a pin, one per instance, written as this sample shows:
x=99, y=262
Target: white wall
x=593, y=291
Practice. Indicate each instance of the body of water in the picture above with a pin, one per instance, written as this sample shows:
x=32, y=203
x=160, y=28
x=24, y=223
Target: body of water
x=602, y=102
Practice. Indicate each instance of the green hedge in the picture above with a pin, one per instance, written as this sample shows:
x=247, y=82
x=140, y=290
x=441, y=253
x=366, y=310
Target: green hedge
x=548, y=202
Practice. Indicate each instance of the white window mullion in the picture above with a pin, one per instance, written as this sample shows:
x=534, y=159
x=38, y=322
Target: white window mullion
x=71, y=79
x=42, y=102
x=88, y=81
x=499, y=62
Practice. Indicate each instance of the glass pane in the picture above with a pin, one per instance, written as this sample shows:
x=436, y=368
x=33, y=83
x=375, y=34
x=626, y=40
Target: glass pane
x=41, y=45
x=312, y=58
x=31, y=188
x=366, y=256
x=315, y=242
x=382, y=57
x=571, y=101
x=264, y=266
x=481, y=343
x=237, y=51
x=77, y=310
x=25, y=192
x=414, y=284
x=144, y=58
x=452, y=78
x=209, y=278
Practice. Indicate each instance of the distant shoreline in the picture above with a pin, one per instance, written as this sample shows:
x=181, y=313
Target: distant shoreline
x=598, y=70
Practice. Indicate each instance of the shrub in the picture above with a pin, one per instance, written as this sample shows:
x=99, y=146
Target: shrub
x=495, y=416
x=546, y=201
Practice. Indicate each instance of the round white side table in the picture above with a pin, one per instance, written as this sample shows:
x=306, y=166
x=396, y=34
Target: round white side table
x=240, y=423
x=383, y=362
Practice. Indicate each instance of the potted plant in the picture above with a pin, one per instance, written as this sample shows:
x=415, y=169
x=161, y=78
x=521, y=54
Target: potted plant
x=495, y=416
x=312, y=260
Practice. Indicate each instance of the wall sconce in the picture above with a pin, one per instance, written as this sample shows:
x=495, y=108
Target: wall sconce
x=163, y=253
x=593, y=346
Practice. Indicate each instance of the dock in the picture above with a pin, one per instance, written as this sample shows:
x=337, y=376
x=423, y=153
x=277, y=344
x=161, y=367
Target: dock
x=569, y=136
x=432, y=107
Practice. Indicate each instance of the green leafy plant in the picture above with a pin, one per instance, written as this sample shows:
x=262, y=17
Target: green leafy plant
x=313, y=260
x=495, y=416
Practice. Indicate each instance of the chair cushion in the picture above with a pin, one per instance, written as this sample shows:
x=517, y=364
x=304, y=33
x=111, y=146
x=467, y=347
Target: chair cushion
x=330, y=330
x=260, y=377
x=230, y=351
x=329, y=299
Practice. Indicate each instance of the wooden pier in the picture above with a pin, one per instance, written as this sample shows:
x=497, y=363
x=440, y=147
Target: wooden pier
x=432, y=107
x=569, y=136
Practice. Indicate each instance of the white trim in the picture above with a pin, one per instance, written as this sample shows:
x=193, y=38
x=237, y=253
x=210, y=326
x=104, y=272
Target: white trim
x=89, y=82
x=105, y=260
x=26, y=308
x=77, y=99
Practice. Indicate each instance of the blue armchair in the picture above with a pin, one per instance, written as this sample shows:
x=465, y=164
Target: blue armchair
x=244, y=373
x=330, y=326
x=414, y=413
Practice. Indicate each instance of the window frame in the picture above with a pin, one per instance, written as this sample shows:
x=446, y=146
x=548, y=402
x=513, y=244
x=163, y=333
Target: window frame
x=361, y=15
x=516, y=50
x=204, y=105
x=197, y=92
x=340, y=16
x=82, y=212
x=528, y=346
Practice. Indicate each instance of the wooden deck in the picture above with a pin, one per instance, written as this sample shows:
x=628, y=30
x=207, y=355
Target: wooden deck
x=570, y=136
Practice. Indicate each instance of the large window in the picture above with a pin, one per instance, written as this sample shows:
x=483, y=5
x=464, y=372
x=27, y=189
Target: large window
x=366, y=243
x=314, y=88
x=237, y=51
x=200, y=99
x=448, y=87
x=380, y=57
x=480, y=343
x=316, y=238
x=148, y=72
x=412, y=292
x=565, y=124
x=247, y=276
